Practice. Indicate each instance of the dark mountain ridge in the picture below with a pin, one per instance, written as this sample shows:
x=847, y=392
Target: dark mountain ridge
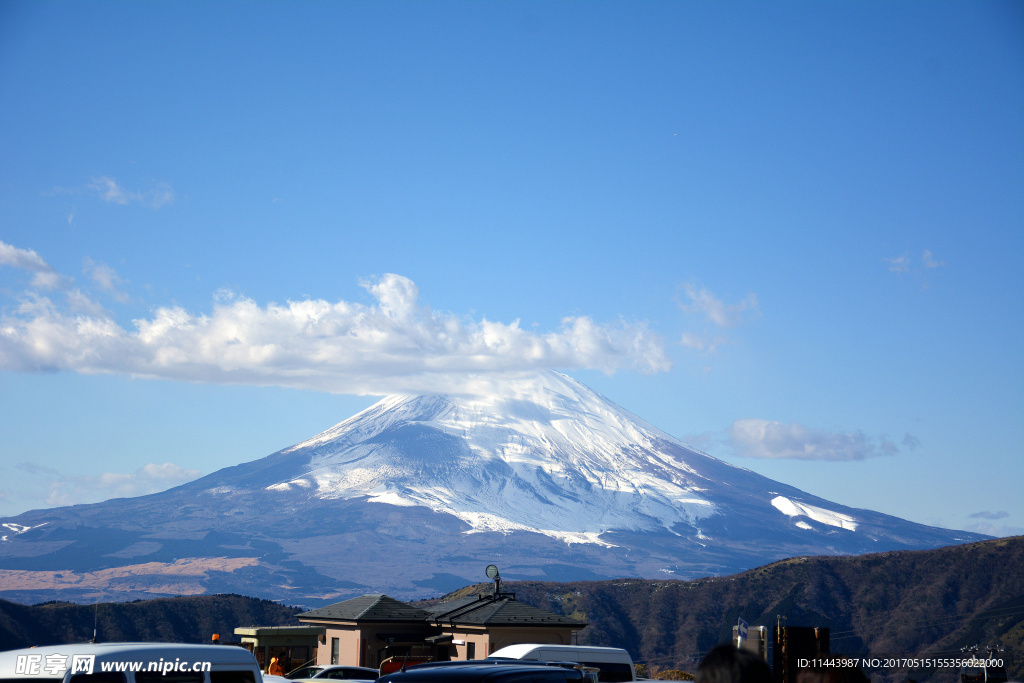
x=191, y=619
x=900, y=603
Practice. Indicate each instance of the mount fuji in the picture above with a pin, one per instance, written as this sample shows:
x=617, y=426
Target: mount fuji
x=417, y=494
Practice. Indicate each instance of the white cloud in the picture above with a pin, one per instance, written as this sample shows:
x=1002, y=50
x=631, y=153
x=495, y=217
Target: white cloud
x=904, y=264
x=105, y=278
x=150, y=478
x=394, y=345
x=25, y=259
x=35, y=468
x=397, y=296
x=1002, y=514
x=51, y=281
x=755, y=438
x=716, y=314
x=703, y=302
x=161, y=195
x=79, y=302
x=929, y=261
x=702, y=343
x=899, y=264
x=44, y=276
x=108, y=189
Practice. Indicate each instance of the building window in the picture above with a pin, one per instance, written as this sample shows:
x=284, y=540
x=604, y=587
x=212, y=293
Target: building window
x=335, y=647
x=470, y=650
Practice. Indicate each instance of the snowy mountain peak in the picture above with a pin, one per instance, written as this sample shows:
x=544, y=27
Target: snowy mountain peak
x=547, y=455
x=545, y=398
x=575, y=486
x=543, y=454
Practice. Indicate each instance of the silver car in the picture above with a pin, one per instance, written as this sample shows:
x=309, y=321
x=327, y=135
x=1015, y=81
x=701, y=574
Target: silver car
x=332, y=672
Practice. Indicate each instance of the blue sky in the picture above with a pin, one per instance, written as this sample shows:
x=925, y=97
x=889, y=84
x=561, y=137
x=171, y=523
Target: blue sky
x=790, y=234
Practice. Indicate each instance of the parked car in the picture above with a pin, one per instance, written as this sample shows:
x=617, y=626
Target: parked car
x=335, y=672
x=482, y=671
x=130, y=663
x=589, y=673
x=614, y=664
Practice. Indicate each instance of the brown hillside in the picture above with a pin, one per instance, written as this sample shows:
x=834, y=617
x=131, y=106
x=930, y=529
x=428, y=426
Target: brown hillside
x=907, y=603
x=192, y=619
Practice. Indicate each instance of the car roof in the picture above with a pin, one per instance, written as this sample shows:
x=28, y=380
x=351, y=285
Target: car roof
x=493, y=661
x=472, y=671
x=516, y=664
x=519, y=649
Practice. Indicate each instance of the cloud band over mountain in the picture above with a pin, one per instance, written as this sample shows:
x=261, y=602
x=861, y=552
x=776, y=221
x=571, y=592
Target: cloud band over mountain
x=394, y=345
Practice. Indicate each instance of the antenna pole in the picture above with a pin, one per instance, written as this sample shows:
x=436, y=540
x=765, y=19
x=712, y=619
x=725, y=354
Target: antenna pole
x=95, y=620
x=492, y=573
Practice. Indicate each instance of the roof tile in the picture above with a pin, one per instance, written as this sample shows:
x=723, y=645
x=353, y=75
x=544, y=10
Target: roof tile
x=373, y=607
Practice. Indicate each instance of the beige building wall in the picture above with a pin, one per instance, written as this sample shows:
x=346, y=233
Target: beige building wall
x=472, y=645
x=348, y=642
x=358, y=645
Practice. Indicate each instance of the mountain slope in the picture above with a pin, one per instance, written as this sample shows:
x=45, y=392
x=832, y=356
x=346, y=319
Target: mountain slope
x=173, y=620
x=908, y=603
x=547, y=455
x=899, y=604
x=541, y=474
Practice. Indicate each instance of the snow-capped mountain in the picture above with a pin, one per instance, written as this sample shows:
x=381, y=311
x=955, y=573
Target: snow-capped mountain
x=548, y=456
x=420, y=493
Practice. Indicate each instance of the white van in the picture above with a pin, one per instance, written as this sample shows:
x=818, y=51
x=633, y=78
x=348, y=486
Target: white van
x=129, y=663
x=614, y=663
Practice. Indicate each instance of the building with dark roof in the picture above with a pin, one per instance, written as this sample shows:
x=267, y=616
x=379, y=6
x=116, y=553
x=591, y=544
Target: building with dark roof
x=368, y=608
x=370, y=629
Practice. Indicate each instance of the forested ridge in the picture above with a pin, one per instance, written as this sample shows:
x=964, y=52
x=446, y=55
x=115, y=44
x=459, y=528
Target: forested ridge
x=191, y=619
x=903, y=603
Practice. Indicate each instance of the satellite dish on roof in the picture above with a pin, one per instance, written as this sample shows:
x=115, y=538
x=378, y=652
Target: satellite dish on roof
x=492, y=573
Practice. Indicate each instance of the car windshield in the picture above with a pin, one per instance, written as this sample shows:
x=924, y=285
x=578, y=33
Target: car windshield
x=304, y=672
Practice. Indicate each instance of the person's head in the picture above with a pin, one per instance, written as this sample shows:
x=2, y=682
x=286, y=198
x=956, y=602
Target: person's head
x=728, y=664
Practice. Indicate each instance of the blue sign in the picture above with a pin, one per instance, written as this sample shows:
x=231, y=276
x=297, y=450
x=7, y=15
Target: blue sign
x=741, y=629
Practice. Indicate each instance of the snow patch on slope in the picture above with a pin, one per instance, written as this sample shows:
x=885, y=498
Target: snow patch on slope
x=793, y=509
x=18, y=529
